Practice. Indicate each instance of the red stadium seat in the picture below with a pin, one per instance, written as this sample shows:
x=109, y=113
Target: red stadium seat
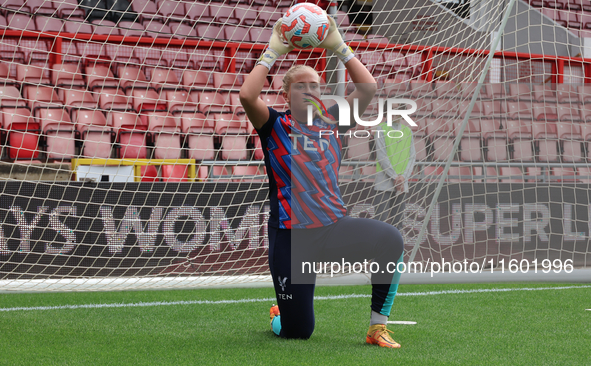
x=495, y=91
x=131, y=134
x=468, y=90
x=100, y=77
x=233, y=100
x=477, y=111
x=94, y=132
x=420, y=147
x=105, y=27
x=174, y=173
x=165, y=79
x=260, y=35
x=584, y=93
x=131, y=29
x=5, y=77
x=420, y=89
x=519, y=110
x=156, y=29
x=22, y=133
x=358, y=148
x=495, y=140
x=227, y=81
x=571, y=141
x=275, y=101
x=533, y=174
x=207, y=60
x=131, y=77
x=395, y=88
x=442, y=138
x=31, y=74
x=233, y=135
x=546, y=139
x=47, y=24
x=209, y=32
x=165, y=135
x=223, y=14
x=568, y=112
x=544, y=93
x=444, y=108
x=149, y=173
x=20, y=22
x=77, y=98
x=77, y=27
x=470, y=145
x=181, y=30
x=145, y=101
x=67, y=9
x=585, y=113
x=40, y=7
x=172, y=11
x=248, y=16
x=146, y=9
x=269, y=15
x=199, y=12
x=520, y=134
x=67, y=75
x=114, y=100
x=545, y=111
x=520, y=92
x=566, y=93
x=394, y=63
x=180, y=101
x=11, y=97
x=573, y=19
x=197, y=79
x=59, y=133
x=199, y=131
x=447, y=89
x=212, y=102
x=39, y=96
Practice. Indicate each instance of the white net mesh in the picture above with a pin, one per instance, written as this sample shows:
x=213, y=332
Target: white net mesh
x=128, y=157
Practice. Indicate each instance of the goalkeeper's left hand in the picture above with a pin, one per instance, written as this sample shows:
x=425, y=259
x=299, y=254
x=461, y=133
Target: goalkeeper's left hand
x=334, y=42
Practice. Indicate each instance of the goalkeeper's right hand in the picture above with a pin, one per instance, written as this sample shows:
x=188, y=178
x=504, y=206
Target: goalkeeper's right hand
x=275, y=48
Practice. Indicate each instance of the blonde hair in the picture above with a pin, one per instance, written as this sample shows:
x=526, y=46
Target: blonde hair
x=289, y=75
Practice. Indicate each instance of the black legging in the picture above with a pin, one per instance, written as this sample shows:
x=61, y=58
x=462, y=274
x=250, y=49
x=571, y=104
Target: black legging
x=350, y=240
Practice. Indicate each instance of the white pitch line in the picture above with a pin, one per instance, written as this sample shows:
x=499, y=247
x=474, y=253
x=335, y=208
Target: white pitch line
x=239, y=301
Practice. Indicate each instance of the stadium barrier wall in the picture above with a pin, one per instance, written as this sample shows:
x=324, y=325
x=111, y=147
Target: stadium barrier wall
x=87, y=229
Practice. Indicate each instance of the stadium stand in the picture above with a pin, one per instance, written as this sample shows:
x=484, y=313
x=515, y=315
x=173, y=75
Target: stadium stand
x=194, y=89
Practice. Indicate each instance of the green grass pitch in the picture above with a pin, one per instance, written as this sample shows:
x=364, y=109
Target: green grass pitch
x=542, y=327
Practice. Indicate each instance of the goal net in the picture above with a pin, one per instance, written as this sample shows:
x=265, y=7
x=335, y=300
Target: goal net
x=128, y=161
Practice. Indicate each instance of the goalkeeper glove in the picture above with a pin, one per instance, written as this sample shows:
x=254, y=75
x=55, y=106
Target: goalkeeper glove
x=334, y=42
x=275, y=48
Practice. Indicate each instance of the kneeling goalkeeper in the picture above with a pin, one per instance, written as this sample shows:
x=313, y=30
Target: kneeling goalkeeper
x=308, y=220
